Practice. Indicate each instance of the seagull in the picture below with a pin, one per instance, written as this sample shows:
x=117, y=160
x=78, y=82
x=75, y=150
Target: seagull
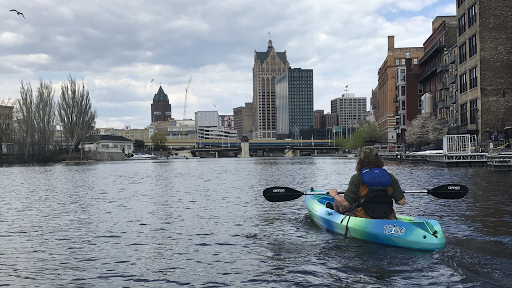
x=19, y=13
x=152, y=80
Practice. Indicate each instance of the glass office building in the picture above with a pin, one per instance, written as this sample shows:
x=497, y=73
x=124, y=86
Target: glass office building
x=294, y=102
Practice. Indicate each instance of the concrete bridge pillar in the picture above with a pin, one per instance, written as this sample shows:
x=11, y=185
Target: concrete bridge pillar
x=245, y=150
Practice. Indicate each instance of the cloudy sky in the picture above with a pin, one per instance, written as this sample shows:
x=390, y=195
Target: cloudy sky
x=118, y=46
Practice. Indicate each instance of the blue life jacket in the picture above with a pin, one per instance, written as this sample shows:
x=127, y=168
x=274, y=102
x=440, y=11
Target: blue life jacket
x=376, y=177
x=376, y=202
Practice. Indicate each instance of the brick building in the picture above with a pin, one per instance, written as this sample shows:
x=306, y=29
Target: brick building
x=484, y=66
x=243, y=120
x=386, y=116
x=160, y=108
x=436, y=64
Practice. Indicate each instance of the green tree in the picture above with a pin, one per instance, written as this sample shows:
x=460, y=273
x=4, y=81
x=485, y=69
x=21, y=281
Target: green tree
x=369, y=130
x=159, y=139
x=138, y=144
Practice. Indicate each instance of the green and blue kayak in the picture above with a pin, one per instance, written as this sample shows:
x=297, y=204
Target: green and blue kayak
x=404, y=231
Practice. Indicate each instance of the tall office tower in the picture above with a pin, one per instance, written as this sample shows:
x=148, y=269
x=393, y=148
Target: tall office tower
x=386, y=93
x=484, y=41
x=243, y=120
x=160, y=108
x=294, y=102
x=267, y=67
x=350, y=111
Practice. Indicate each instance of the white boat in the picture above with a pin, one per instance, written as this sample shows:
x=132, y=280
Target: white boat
x=140, y=156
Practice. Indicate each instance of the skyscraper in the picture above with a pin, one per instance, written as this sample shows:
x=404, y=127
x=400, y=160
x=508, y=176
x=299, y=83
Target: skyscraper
x=294, y=102
x=267, y=67
x=160, y=108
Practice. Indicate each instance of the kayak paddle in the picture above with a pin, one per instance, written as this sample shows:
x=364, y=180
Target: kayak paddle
x=447, y=191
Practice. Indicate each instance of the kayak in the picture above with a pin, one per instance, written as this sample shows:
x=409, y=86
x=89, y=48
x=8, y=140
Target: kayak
x=405, y=231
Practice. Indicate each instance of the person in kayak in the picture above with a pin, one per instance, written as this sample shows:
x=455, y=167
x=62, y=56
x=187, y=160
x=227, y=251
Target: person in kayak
x=371, y=190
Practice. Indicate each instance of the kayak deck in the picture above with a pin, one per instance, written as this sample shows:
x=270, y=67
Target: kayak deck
x=404, y=231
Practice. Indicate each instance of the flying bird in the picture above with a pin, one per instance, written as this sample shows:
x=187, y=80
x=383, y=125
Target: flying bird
x=19, y=13
x=214, y=106
x=152, y=80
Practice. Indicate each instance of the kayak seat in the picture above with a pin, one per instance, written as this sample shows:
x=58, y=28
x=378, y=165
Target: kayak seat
x=378, y=206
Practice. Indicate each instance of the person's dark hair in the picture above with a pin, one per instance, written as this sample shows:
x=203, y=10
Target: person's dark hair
x=376, y=162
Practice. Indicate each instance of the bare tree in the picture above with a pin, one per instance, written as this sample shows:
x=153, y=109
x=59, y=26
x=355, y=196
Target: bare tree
x=24, y=119
x=35, y=117
x=75, y=112
x=44, y=118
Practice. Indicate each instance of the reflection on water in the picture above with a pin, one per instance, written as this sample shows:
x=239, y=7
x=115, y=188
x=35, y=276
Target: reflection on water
x=204, y=222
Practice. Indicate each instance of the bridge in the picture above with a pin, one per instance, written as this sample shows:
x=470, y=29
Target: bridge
x=260, y=147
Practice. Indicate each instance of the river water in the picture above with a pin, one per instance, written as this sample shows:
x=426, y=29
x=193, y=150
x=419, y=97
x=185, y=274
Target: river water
x=205, y=223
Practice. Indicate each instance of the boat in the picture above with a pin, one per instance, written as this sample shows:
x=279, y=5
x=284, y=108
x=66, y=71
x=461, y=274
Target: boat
x=140, y=156
x=404, y=231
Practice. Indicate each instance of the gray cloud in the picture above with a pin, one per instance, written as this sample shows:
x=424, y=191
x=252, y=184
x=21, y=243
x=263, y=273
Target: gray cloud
x=117, y=47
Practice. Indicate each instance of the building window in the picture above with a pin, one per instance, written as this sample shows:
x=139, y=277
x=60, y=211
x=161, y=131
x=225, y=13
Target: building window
x=462, y=53
x=464, y=114
x=463, y=83
x=403, y=120
x=472, y=78
x=472, y=46
x=473, y=111
x=419, y=103
x=415, y=61
x=403, y=61
x=403, y=104
x=402, y=90
x=460, y=2
x=420, y=88
x=462, y=24
x=397, y=62
x=402, y=74
x=471, y=15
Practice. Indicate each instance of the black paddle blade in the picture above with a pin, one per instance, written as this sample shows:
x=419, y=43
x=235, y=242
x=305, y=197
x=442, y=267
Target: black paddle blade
x=449, y=191
x=281, y=194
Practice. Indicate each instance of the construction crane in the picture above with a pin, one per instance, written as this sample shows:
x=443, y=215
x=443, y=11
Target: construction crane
x=185, y=108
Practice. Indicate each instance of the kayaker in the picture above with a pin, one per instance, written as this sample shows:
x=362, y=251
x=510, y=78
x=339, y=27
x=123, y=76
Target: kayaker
x=371, y=184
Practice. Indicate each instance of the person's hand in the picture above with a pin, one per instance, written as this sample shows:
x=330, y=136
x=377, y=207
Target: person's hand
x=333, y=192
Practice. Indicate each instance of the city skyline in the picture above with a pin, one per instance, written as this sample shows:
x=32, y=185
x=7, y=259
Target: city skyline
x=117, y=50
